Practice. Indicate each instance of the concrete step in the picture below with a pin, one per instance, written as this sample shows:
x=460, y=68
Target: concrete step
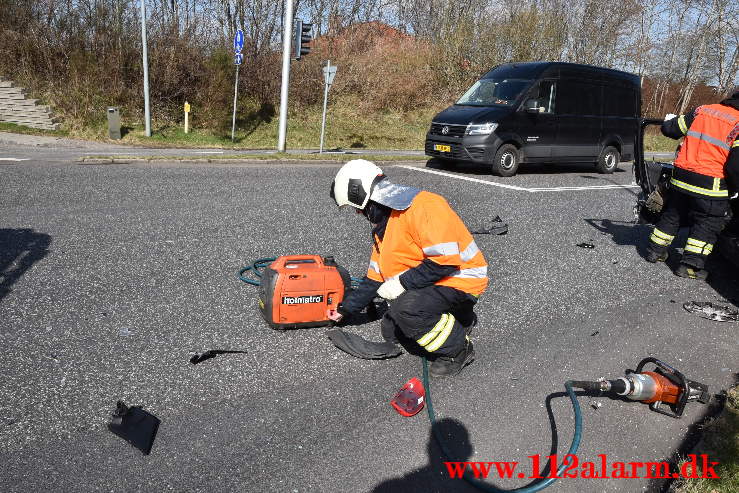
x=31, y=118
x=25, y=109
x=15, y=108
x=41, y=117
x=13, y=95
x=40, y=113
x=43, y=126
x=26, y=118
x=17, y=103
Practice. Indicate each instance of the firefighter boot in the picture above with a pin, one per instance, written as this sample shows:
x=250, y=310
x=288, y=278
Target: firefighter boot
x=444, y=366
x=685, y=270
x=655, y=256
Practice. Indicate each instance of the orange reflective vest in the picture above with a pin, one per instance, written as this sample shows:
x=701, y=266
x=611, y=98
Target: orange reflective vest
x=429, y=229
x=705, y=150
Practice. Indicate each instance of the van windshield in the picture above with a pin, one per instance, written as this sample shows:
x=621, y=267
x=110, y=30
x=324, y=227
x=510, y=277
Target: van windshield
x=494, y=92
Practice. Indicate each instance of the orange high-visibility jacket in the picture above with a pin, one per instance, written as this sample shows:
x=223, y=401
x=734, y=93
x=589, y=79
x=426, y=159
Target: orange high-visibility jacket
x=708, y=140
x=429, y=229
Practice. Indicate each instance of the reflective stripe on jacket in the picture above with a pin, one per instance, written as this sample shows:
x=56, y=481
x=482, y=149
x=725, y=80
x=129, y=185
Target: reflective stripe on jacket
x=429, y=228
x=708, y=142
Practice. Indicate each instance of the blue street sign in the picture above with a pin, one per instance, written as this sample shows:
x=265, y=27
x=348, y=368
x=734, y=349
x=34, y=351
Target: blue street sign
x=238, y=59
x=239, y=41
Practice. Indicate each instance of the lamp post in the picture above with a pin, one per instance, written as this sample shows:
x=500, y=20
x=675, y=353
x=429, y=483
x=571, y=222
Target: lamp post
x=287, y=28
x=147, y=112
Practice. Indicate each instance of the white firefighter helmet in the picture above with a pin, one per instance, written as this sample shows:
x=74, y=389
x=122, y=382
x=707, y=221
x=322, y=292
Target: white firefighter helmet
x=354, y=183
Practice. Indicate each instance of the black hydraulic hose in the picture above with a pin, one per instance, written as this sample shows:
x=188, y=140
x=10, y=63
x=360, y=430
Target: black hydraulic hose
x=481, y=485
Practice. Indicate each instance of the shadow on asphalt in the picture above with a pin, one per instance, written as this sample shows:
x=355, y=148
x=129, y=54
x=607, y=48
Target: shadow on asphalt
x=525, y=169
x=722, y=274
x=19, y=250
x=434, y=477
x=624, y=233
x=723, y=277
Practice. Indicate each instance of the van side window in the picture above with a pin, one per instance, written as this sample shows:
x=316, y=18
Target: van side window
x=578, y=98
x=590, y=98
x=619, y=101
x=545, y=93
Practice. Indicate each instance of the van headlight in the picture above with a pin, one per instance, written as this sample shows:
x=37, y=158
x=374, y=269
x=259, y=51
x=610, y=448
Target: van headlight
x=481, y=128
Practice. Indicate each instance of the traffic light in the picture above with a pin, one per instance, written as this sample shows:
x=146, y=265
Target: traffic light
x=302, y=38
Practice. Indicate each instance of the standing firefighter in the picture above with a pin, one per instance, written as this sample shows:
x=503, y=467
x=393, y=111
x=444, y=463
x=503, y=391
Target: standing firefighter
x=699, y=192
x=424, y=261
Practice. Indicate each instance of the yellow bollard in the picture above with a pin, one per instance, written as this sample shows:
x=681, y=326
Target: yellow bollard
x=187, y=113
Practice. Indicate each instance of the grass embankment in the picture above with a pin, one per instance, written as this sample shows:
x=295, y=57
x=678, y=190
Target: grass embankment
x=659, y=143
x=721, y=442
x=272, y=156
x=346, y=128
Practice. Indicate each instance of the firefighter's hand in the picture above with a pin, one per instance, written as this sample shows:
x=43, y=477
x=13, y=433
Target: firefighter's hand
x=670, y=116
x=334, y=315
x=390, y=289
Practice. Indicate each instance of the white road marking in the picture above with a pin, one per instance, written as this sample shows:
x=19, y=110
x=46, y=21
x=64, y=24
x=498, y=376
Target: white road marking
x=520, y=189
x=467, y=178
x=14, y=159
x=593, y=187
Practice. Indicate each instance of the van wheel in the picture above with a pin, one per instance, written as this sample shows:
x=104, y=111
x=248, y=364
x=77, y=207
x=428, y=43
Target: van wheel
x=506, y=160
x=608, y=160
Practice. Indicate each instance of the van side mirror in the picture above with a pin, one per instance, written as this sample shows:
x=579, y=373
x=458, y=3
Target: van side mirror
x=532, y=106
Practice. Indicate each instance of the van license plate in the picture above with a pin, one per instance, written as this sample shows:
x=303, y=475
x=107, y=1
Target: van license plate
x=442, y=148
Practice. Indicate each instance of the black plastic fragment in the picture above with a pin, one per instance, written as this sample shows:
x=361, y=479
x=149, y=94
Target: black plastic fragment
x=495, y=227
x=212, y=353
x=360, y=347
x=711, y=311
x=134, y=425
x=586, y=245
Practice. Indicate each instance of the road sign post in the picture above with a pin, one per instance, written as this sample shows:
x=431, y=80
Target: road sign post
x=145, y=56
x=329, y=73
x=238, y=59
x=287, y=24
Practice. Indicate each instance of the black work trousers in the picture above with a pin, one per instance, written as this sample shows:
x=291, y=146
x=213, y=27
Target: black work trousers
x=705, y=217
x=433, y=317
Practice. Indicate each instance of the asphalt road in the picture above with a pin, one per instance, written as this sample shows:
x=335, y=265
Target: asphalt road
x=112, y=274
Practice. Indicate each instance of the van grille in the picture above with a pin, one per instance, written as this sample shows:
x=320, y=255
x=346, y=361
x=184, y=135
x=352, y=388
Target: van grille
x=458, y=153
x=454, y=130
x=457, y=150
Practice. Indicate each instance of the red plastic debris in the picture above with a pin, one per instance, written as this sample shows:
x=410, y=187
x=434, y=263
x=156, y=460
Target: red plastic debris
x=410, y=399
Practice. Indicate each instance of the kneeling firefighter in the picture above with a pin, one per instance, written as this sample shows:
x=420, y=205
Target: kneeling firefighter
x=424, y=261
x=699, y=192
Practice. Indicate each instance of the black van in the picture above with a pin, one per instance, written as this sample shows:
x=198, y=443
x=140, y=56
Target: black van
x=541, y=112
